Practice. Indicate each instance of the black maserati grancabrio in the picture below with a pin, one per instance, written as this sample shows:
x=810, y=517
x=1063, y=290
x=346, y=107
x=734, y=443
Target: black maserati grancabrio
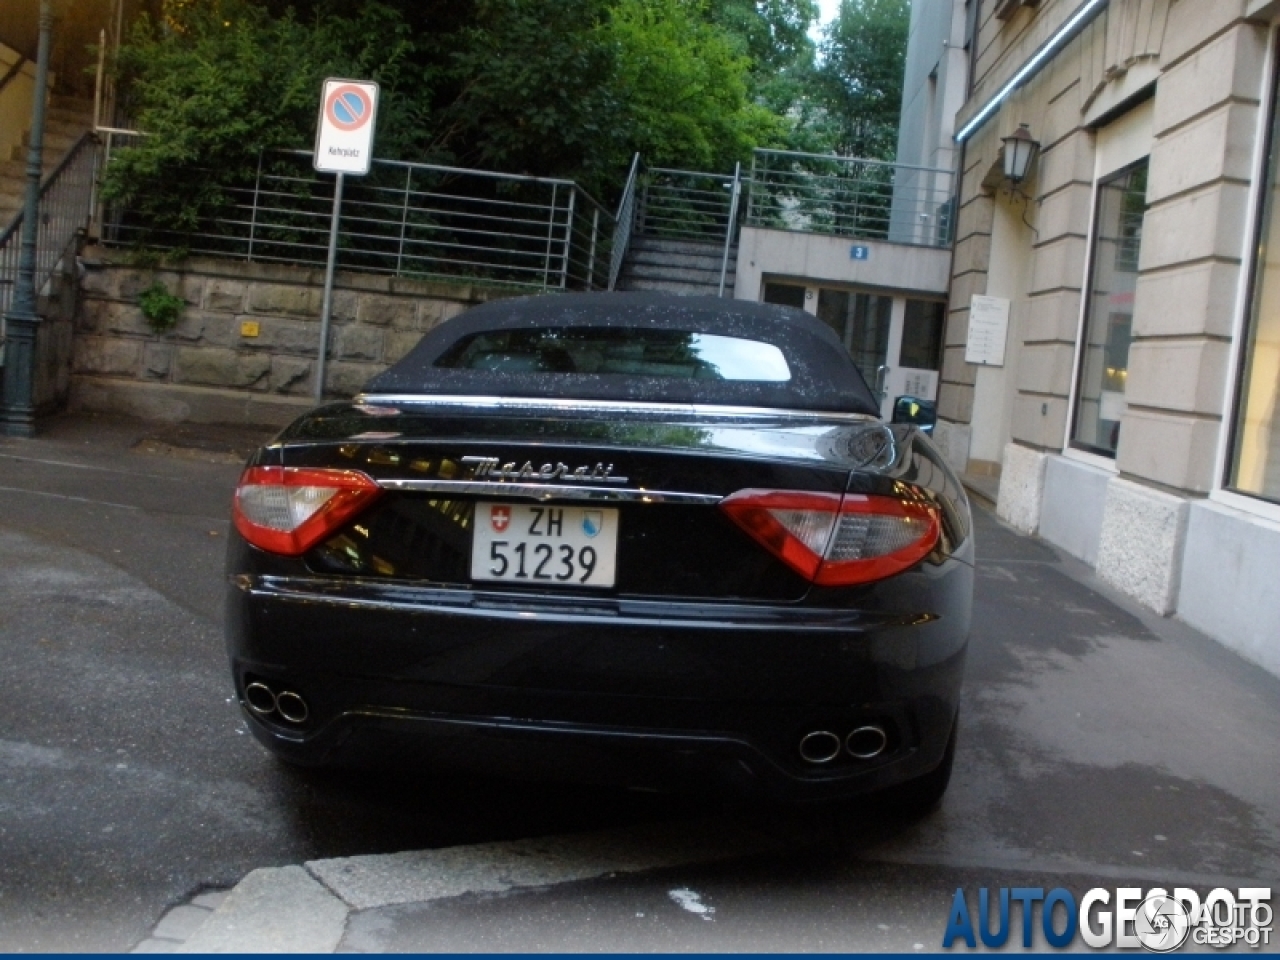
x=629, y=538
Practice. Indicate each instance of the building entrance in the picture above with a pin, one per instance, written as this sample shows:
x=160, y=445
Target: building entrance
x=895, y=340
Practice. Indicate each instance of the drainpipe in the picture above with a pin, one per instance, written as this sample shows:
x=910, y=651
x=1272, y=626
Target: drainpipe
x=18, y=414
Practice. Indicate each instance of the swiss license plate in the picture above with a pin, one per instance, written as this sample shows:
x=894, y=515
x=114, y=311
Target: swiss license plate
x=570, y=546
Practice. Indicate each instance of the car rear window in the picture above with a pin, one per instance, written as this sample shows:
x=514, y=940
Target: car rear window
x=634, y=348
x=625, y=351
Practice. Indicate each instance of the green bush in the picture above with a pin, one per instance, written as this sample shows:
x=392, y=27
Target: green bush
x=216, y=83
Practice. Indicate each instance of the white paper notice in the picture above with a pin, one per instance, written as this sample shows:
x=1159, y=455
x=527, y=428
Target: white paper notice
x=988, y=329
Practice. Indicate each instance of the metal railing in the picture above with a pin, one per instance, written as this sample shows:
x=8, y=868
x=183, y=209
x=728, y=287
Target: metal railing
x=846, y=196
x=65, y=206
x=14, y=69
x=405, y=219
x=685, y=205
x=624, y=222
x=731, y=230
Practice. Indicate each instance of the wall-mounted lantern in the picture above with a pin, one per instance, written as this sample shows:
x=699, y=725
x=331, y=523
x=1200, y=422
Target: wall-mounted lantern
x=1020, y=152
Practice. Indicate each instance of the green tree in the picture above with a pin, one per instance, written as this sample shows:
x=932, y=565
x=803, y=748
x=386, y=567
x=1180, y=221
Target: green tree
x=782, y=79
x=683, y=87
x=773, y=33
x=570, y=88
x=859, y=83
x=531, y=90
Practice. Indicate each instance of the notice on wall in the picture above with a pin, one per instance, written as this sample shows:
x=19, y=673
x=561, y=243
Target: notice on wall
x=988, y=329
x=921, y=384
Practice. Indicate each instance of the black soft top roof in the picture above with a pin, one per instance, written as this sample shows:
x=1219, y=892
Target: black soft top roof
x=823, y=376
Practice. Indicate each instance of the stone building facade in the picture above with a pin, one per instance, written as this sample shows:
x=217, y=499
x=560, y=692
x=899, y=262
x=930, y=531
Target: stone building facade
x=1134, y=421
x=245, y=346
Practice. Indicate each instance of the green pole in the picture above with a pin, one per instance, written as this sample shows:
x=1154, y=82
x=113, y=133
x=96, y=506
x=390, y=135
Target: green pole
x=18, y=413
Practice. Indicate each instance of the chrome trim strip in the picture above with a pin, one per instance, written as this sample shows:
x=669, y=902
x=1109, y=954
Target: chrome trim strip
x=599, y=607
x=610, y=406
x=548, y=491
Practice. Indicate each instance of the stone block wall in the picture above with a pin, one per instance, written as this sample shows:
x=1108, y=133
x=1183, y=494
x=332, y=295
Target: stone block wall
x=1206, y=115
x=246, y=345
x=51, y=376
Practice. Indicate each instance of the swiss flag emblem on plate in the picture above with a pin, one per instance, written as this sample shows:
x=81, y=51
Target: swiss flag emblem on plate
x=500, y=517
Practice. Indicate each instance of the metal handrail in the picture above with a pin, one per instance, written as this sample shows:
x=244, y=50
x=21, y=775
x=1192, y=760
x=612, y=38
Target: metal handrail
x=728, y=234
x=14, y=70
x=623, y=223
x=851, y=196
x=64, y=208
x=689, y=205
x=403, y=219
x=769, y=151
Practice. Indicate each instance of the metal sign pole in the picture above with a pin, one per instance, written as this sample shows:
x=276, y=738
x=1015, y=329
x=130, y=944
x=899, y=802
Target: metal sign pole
x=326, y=307
x=344, y=144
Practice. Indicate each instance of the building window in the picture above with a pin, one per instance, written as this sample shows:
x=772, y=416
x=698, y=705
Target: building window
x=784, y=294
x=1104, y=353
x=922, y=334
x=1254, y=465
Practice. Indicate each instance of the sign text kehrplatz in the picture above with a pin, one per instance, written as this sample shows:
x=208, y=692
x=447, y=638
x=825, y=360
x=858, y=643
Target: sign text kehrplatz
x=344, y=133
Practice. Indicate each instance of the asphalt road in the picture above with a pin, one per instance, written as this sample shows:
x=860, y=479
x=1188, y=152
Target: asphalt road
x=1099, y=745
x=127, y=779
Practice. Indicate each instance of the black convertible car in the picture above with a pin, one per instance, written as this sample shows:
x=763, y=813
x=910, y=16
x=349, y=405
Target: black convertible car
x=655, y=541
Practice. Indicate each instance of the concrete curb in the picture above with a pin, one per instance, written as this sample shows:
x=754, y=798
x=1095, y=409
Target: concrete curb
x=304, y=909
x=277, y=910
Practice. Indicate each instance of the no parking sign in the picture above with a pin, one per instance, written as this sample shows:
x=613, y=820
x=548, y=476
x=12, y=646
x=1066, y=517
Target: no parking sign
x=344, y=133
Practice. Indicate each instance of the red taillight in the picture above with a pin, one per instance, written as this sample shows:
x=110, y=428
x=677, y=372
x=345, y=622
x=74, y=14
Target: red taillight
x=836, y=540
x=289, y=510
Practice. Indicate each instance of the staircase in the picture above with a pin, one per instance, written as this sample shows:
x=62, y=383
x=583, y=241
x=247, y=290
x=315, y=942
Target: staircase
x=686, y=267
x=66, y=120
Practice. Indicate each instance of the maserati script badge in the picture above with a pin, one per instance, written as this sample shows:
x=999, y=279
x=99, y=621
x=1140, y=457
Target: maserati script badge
x=490, y=468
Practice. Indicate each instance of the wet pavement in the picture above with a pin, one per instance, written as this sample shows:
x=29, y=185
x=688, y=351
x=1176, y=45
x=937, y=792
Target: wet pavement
x=1099, y=745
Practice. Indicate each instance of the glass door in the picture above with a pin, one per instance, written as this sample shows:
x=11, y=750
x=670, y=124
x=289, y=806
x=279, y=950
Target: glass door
x=896, y=342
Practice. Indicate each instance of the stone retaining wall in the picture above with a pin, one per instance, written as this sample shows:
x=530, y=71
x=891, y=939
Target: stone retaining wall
x=214, y=366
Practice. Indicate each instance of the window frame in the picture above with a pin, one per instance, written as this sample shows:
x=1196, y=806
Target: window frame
x=1114, y=149
x=1268, y=117
x=1070, y=444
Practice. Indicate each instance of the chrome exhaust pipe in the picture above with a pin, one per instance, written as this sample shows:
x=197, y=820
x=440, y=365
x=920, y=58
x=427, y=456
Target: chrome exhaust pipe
x=260, y=698
x=819, y=746
x=291, y=706
x=866, y=742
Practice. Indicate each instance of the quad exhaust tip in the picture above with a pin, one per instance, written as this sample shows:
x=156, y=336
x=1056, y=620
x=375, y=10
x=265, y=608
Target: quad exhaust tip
x=866, y=742
x=820, y=746
x=260, y=698
x=823, y=746
x=291, y=706
x=264, y=701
